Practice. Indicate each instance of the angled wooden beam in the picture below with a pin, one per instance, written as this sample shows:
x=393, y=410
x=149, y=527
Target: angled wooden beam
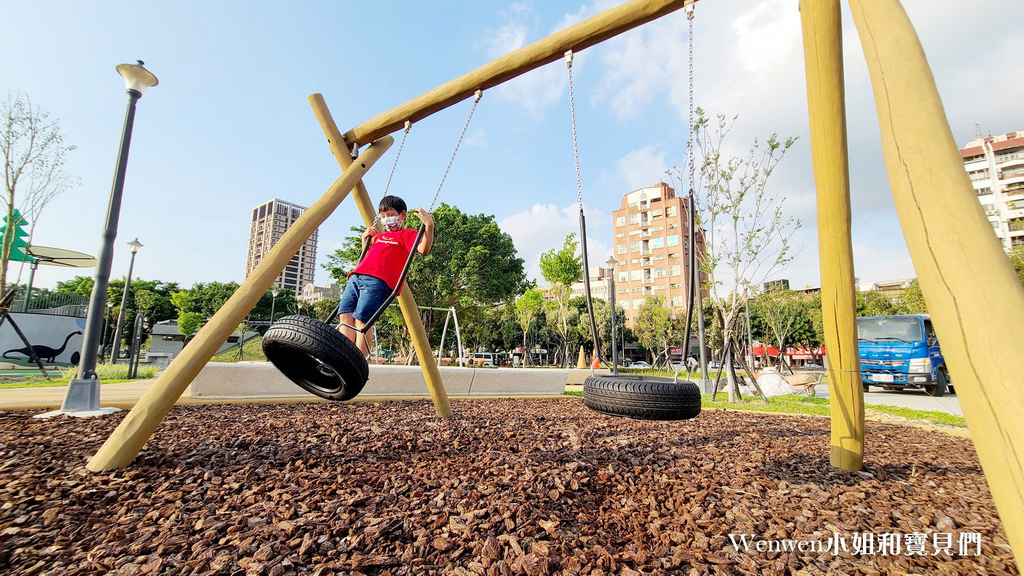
x=974, y=296
x=593, y=30
x=127, y=439
x=410, y=311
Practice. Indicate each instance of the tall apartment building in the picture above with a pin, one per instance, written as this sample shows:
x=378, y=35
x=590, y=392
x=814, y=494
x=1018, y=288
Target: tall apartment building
x=651, y=252
x=996, y=168
x=269, y=223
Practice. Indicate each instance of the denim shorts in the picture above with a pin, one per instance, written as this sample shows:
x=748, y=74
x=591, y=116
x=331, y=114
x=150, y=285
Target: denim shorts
x=363, y=296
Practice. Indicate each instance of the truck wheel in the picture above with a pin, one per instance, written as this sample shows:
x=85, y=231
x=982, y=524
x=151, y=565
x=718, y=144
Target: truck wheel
x=867, y=387
x=642, y=397
x=939, y=388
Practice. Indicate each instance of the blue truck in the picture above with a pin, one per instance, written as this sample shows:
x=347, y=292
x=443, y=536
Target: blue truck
x=898, y=352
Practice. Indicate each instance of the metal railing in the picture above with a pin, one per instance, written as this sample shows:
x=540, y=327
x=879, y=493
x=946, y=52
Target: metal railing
x=56, y=304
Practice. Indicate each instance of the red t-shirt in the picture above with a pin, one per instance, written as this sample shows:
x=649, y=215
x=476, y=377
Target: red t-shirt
x=387, y=254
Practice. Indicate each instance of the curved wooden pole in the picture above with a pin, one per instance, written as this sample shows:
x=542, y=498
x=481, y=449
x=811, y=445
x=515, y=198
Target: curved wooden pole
x=975, y=299
x=826, y=104
x=127, y=439
x=410, y=311
x=593, y=30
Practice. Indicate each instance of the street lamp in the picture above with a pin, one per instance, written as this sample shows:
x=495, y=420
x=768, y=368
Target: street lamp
x=611, y=301
x=115, y=353
x=750, y=334
x=273, y=301
x=103, y=335
x=83, y=393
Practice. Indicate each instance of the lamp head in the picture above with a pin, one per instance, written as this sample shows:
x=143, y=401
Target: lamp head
x=136, y=77
x=135, y=245
x=275, y=291
x=611, y=262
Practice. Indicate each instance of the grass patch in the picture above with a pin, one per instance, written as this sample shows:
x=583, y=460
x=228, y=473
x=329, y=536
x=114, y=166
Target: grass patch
x=792, y=404
x=252, y=351
x=107, y=373
x=933, y=417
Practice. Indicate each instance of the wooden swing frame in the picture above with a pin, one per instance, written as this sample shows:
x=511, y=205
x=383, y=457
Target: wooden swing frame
x=973, y=294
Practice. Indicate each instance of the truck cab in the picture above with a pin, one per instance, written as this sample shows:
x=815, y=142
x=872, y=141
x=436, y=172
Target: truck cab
x=898, y=352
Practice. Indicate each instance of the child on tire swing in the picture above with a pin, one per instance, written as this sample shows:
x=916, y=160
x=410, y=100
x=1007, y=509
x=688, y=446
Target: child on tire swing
x=377, y=274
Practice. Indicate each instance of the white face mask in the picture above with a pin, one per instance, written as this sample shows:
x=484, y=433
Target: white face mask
x=391, y=223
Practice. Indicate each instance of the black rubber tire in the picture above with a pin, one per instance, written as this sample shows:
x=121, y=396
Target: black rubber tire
x=937, y=390
x=317, y=357
x=642, y=397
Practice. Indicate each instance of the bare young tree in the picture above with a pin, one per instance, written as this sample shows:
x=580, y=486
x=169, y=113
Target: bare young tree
x=34, y=151
x=746, y=232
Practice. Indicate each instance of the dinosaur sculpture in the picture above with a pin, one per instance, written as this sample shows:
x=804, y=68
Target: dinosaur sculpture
x=45, y=353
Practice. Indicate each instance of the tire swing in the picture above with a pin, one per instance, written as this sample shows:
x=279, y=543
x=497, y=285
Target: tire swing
x=315, y=355
x=639, y=397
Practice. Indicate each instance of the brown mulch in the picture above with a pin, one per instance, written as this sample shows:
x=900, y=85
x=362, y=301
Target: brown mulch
x=504, y=487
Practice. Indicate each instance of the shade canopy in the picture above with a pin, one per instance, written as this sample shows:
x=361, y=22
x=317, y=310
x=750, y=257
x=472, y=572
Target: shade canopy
x=59, y=257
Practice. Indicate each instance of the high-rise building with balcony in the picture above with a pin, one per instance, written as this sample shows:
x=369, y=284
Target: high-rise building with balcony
x=996, y=168
x=269, y=222
x=651, y=249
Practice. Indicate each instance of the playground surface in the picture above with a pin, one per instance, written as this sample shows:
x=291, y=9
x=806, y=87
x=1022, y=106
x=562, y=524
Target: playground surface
x=521, y=486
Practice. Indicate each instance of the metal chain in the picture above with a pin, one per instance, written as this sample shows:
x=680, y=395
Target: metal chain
x=689, y=148
x=575, y=142
x=476, y=100
x=398, y=154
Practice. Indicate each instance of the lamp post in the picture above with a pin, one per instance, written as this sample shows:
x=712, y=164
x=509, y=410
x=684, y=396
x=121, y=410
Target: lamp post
x=103, y=335
x=273, y=302
x=750, y=334
x=115, y=353
x=83, y=394
x=611, y=301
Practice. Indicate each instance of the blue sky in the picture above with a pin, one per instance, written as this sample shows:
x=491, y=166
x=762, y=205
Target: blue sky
x=229, y=126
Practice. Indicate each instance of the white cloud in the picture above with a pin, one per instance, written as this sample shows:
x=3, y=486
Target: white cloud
x=643, y=167
x=476, y=139
x=545, y=226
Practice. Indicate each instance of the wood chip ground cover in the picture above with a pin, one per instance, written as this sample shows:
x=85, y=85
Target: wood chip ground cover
x=504, y=487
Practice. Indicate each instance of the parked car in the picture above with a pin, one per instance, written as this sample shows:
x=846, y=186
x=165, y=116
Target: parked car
x=640, y=364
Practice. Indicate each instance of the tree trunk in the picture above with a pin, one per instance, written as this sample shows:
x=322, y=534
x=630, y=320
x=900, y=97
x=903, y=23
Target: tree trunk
x=753, y=380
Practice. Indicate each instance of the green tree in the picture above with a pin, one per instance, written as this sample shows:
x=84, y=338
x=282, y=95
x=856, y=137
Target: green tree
x=911, y=300
x=81, y=285
x=1017, y=259
x=528, y=308
x=34, y=152
x=562, y=268
x=746, y=232
x=872, y=303
x=654, y=326
x=782, y=313
x=145, y=301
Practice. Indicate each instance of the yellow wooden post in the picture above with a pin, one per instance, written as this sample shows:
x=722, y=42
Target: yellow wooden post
x=127, y=439
x=410, y=311
x=975, y=299
x=823, y=60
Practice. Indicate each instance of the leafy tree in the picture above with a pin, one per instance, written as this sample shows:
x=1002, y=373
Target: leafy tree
x=782, y=313
x=911, y=300
x=81, y=285
x=1017, y=259
x=34, y=152
x=145, y=301
x=527, y=308
x=746, y=232
x=656, y=328
x=189, y=323
x=872, y=303
x=562, y=268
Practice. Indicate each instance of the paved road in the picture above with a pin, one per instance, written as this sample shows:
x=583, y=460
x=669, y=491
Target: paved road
x=915, y=399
